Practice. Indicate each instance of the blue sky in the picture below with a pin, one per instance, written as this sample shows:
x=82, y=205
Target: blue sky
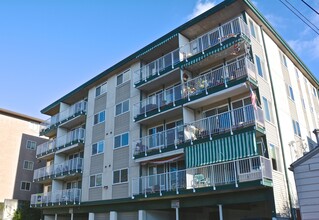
x=48, y=48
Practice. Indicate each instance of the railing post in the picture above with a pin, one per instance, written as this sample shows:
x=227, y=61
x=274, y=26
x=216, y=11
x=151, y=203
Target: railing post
x=187, y=90
x=235, y=174
x=176, y=183
x=206, y=83
x=225, y=73
x=145, y=106
x=174, y=96
x=172, y=58
x=175, y=137
x=158, y=102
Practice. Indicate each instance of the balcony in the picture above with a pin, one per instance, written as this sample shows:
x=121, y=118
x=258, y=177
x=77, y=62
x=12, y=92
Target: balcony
x=72, y=138
x=201, y=45
x=46, y=148
x=215, y=176
x=60, y=170
x=211, y=82
x=67, y=118
x=186, y=134
x=59, y=197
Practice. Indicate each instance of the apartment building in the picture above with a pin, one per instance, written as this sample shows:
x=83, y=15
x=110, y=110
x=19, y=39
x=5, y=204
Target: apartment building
x=19, y=136
x=200, y=124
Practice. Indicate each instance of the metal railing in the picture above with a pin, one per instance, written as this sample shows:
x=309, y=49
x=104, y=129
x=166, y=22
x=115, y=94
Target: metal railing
x=214, y=175
x=46, y=147
x=72, y=137
x=199, y=45
x=57, y=197
x=203, y=128
x=237, y=69
x=156, y=66
x=62, y=169
x=75, y=109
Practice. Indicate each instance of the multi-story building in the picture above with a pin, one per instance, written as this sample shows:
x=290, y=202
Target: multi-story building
x=200, y=124
x=19, y=136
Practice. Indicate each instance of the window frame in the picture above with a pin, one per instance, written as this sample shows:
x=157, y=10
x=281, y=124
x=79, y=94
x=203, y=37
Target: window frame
x=121, y=140
x=290, y=92
x=260, y=66
x=30, y=147
x=124, y=79
x=98, y=147
x=102, y=91
x=98, y=116
x=120, y=172
x=267, y=105
x=296, y=128
x=26, y=183
x=28, y=162
x=283, y=59
x=121, y=104
x=96, y=176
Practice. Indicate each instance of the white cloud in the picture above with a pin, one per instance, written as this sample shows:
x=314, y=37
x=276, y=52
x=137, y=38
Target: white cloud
x=200, y=7
x=276, y=21
x=310, y=48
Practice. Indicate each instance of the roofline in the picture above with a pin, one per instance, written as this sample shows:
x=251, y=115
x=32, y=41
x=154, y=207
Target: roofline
x=19, y=115
x=304, y=158
x=177, y=30
x=282, y=41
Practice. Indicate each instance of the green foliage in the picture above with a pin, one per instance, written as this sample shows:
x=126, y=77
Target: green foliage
x=24, y=212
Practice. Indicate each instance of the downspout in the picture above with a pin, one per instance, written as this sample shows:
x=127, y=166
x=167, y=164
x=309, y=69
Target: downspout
x=279, y=127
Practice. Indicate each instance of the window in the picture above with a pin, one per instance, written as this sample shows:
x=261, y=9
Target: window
x=96, y=180
x=121, y=140
x=290, y=93
x=297, y=73
x=283, y=59
x=123, y=77
x=267, y=110
x=26, y=186
x=314, y=91
x=122, y=107
x=99, y=117
x=27, y=165
x=260, y=67
x=100, y=89
x=296, y=127
x=253, y=30
x=303, y=103
x=31, y=145
x=98, y=148
x=120, y=176
x=274, y=155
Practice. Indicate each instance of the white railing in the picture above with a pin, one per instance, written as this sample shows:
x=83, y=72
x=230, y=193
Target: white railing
x=238, y=69
x=75, y=109
x=46, y=147
x=214, y=175
x=72, y=137
x=203, y=128
x=199, y=45
x=156, y=66
x=57, y=197
x=66, y=168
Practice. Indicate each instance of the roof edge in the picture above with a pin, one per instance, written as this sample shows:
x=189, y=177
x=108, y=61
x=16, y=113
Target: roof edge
x=282, y=41
x=20, y=115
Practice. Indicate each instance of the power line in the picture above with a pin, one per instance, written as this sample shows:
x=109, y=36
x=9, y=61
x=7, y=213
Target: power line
x=317, y=32
x=310, y=7
x=303, y=15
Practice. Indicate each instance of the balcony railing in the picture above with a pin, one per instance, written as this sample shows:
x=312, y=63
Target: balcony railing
x=156, y=67
x=203, y=128
x=216, y=36
x=214, y=175
x=235, y=70
x=56, y=170
x=71, y=112
x=65, y=196
x=46, y=148
x=73, y=137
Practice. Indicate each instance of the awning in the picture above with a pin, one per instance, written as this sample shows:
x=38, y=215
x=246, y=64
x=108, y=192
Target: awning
x=156, y=45
x=223, y=149
x=213, y=50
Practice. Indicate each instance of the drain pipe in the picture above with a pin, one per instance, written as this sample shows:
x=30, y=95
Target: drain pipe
x=279, y=127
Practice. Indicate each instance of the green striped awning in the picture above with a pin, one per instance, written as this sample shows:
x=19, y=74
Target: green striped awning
x=215, y=49
x=156, y=45
x=223, y=149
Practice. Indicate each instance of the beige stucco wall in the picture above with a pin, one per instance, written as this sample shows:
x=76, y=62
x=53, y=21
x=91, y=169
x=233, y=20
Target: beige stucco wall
x=11, y=130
